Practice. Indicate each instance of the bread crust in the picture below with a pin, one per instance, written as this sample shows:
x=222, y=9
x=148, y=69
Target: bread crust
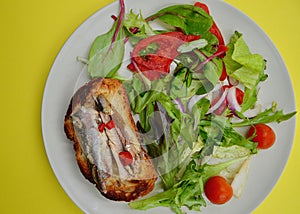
x=139, y=178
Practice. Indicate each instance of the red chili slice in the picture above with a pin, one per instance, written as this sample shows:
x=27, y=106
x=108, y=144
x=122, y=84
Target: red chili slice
x=125, y=158
x=156, y=62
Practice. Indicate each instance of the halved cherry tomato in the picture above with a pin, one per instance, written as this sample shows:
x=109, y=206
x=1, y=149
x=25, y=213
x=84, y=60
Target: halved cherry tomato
x=218, y=190
x=125, y=158
x=154, y=55
x=263, y=135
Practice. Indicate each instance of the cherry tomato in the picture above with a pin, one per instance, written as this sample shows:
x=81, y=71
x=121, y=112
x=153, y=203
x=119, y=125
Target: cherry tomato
x=218, y=190
x=125, y=158
x=264, y=135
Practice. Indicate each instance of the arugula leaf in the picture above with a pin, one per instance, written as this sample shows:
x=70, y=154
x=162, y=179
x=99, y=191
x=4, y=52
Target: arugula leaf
x=218, y=131
x=190, y=19
x=269, y=115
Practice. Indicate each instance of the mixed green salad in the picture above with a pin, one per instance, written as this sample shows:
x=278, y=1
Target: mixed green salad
x=191, y=93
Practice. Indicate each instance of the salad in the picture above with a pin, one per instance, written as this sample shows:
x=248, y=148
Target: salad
x=195, y=100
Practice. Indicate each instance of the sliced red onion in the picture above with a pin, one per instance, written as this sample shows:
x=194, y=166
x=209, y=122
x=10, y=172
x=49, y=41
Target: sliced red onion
x=235, y=106
x=232, y=101
x=232, y=81
x=179, y=104
x=219, y=103
x=194, y=100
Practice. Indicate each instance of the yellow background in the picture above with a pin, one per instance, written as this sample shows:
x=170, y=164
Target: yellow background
x=32, y=33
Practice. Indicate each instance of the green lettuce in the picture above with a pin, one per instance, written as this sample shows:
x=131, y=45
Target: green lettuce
x=188, y=191
x=136, y=27
x=246, y=67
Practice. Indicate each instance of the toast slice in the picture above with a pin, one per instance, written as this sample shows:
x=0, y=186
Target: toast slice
x=106, y=141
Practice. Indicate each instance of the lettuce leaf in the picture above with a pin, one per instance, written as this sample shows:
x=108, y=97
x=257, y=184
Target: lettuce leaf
x=188, y=191
x=246, y=67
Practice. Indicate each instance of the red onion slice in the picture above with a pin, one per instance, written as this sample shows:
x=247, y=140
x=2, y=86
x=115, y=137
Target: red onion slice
x=235, y=106
x=194, y=100
x=232, y=101
x=219, y=103
x=180, y=105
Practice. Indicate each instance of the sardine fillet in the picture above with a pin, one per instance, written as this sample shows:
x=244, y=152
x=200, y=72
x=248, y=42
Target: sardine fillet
x=96, y=152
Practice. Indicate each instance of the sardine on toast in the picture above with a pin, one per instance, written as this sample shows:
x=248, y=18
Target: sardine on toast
x=107, y=145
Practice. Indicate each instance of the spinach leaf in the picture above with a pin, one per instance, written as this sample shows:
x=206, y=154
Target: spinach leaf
x=107, y=51
x=210, y=66
x=190, y=19
x=106, y=55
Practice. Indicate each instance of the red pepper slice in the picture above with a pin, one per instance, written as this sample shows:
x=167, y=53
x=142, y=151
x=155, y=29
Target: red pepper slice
x=101, y=127
x=216, y=31
x=202, y=6
x=110, y=124
x=157, y=63
x=224, y=74
x=125, y=158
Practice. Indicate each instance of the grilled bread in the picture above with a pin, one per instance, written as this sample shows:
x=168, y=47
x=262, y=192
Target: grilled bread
x=106, y=141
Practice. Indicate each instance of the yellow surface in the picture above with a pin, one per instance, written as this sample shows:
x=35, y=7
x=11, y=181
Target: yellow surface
x=32, y=33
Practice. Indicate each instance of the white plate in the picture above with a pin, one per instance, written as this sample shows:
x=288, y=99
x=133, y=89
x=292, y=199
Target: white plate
x=66, y=75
